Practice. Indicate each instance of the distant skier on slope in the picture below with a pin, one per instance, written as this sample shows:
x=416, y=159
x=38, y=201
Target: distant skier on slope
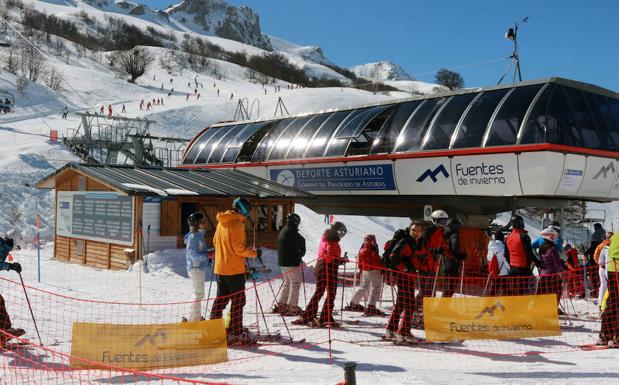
x=6, y=245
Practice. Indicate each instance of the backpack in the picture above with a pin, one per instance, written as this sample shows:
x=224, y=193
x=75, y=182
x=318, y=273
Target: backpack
x=386, y=259
x=6, y=245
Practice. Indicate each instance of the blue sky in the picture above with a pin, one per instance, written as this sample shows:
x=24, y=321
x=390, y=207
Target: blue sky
x=570, y=38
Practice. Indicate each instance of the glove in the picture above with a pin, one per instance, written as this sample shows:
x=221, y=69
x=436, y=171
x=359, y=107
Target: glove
x=15, y=267
x=259, y=255
x=210, y=261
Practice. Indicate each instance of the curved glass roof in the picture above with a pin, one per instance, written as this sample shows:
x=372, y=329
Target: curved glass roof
x=554, y=110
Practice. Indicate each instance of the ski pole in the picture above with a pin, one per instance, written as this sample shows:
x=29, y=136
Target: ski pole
x=30, y=307
x=303, y=278
x=210, y=285
x=147, y=245
x=343, y=288
x=461, y=277
x=438, y=268
x=258, y=300
x=273, y=292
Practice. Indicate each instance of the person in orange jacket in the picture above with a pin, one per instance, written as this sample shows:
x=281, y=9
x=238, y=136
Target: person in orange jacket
x=230, y=253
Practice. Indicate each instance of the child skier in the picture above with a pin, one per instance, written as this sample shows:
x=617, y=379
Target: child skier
x=197, y=261
x=371, y=278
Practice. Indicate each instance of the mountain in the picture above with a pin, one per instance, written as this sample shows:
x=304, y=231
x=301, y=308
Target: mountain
x=381, y=71
x=219, y=18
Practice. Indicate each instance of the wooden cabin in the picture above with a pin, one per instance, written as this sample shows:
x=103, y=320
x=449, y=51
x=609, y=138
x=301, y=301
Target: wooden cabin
x=109, y=216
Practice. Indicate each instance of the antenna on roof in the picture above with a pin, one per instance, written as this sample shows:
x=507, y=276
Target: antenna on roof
x=512, y=34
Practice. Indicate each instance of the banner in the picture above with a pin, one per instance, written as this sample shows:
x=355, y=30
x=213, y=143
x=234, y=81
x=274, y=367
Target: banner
x=364, y=177
x=448, y=319
x=151, y=346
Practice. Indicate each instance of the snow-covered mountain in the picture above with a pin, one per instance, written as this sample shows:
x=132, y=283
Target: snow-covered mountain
x=381, y=71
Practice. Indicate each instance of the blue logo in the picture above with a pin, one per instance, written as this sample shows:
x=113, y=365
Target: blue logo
x=433, y=173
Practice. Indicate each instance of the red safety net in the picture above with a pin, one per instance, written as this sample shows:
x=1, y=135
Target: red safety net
x=336, y=303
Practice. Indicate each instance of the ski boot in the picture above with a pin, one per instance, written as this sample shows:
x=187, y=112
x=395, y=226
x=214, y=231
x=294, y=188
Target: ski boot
x=389, y=335
x=292, y=311
x=279, y=309
x=242, y=339
x=354, y=307
x=373, y=311
x=329, y=323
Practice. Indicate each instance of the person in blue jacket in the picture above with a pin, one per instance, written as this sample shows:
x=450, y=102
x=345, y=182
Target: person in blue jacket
x=6, y=245
x=556, y=226
x=197, y=261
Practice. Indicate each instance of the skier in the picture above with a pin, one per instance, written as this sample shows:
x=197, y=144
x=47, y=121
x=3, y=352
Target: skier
x=602, y=263
x=196, y=255
x=401, y=260
x=498, y=267
x=124, y=110
x=520, y=255
x=575, y=287
x=231, y=96
x=455, y=258
x=371, y=278
x=65, y=111
x=148, y=106
x=551, y=266
x=290, y=250
x=109, y=111
x=230, y=253
x=101, y=109
x=198, y=97
x=142, y=104
x=434, y=238
x=6, y=245
x=598, y=236
x=559, y=242
x=610, y=317
x=329, y=259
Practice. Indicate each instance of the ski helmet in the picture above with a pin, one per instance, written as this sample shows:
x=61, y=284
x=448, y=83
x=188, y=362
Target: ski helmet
x=194, y=219
x=339, y=228
x=517, y=222
x=242, y=206
x=293, y=219
x=550, y=234
x=439, y=217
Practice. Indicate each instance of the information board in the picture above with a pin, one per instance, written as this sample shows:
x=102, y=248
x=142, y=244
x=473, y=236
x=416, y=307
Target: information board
x=99, y=216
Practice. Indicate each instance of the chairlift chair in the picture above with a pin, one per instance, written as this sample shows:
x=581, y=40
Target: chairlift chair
x=7, y=101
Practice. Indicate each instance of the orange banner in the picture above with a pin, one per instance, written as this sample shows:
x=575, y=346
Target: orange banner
x=151, y=346
x=449, y=319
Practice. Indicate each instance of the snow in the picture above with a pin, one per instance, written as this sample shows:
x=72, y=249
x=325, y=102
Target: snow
x=384, y=70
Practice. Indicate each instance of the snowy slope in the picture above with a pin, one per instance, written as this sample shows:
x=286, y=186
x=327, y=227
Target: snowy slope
x=384, y=70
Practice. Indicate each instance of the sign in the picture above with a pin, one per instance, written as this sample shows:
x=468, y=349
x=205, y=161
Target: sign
x=448, y=319
x=427, y=213
x=338, y=178
x=146, y=347
x=98, y=216
x=424, y=176
x=494, y=175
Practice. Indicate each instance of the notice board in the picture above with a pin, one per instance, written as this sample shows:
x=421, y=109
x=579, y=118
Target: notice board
x=98, y=216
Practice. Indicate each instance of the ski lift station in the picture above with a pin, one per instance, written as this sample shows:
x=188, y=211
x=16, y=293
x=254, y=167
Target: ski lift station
x=472, y=152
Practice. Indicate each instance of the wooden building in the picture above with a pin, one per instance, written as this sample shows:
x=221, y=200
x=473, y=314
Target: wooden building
x=106, y=216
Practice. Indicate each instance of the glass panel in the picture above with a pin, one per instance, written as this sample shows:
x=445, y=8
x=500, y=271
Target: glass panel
x=505, y=127
x=361, y=144
x=220, y=148
x=198, y=145
x=439, y=136
x=285, y=139
x=535, y=129
x=412, y=135
x=251, y=144
x=205, y=153
x=600, y=110
x=473, y=127
x=351, y=129
x=300, y=141
x=357, y=122
x=244, y=136
x=269, y=140
x=613, y=106
x=386, y=138
x=582, y=117
x=318, y=143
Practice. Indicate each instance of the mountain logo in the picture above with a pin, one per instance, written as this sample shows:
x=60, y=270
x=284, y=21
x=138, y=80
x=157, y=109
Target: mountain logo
x=286, y=177
x=152, y=338
x=489, y=310
x=605, y=169
x=433, y=173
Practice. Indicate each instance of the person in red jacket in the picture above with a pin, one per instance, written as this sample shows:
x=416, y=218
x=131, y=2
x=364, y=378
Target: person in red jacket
x=329, y=259
x=371, y=278
x=574, y=272
x=401, y=260
x=520, y=255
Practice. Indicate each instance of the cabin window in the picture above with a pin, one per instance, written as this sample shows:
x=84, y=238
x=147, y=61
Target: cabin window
x=475, y=123
x=220, y=148
x=352, y=128
x=207, y=147
x=269, y=139
x=361, y=144
x=506, y=125
x=411, y=136
x=439, y=135
x=317, y=144
x=245, y=141
x=300, y=141
x=583, y=119
x=283, y=142
x=198, y=145
x=385, y=140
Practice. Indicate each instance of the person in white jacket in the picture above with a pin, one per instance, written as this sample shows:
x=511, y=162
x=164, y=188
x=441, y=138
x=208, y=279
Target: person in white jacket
x=603, y=273
x=498, y=267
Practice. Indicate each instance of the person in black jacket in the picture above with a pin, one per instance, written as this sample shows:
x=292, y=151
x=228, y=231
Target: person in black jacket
x=453, y=261
x=290, y=250
x=6, y=245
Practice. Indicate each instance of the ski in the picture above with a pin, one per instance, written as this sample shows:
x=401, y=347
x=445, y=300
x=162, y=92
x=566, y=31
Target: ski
x=589, y=347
